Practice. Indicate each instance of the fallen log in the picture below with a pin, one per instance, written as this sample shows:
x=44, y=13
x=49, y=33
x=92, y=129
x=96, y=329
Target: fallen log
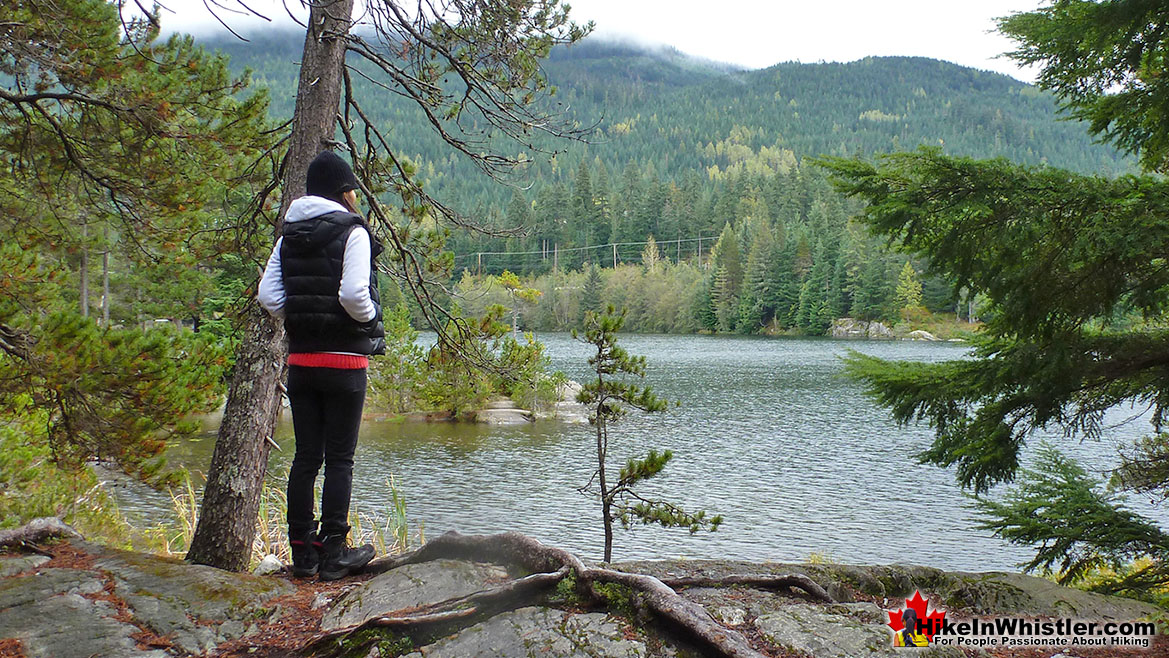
x=36, y=531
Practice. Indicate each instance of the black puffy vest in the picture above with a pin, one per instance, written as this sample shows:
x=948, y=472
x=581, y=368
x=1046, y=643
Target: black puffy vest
x=311, y=255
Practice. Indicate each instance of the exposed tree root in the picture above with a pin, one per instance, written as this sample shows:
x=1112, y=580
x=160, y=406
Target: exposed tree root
x=550, y=566
x=421, y=620
x=37, y=530
x=761, y=581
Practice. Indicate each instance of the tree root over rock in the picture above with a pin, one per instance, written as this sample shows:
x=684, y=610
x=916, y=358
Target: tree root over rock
x=764, y=581
x=550, y=566
x=36, y=531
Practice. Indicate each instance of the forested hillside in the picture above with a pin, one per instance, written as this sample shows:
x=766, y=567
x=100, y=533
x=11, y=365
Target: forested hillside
x=694, y=152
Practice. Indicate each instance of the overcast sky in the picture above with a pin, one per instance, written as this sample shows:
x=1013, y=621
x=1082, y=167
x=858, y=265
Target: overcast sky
x=759, y=33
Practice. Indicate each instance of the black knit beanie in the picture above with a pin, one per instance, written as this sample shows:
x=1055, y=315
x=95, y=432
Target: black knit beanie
x=329, y=176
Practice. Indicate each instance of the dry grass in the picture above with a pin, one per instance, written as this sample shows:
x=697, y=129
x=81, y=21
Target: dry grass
x=388, y=536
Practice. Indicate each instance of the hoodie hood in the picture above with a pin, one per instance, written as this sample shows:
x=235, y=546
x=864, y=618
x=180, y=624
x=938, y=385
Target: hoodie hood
x=307, y=207
x=313, y=222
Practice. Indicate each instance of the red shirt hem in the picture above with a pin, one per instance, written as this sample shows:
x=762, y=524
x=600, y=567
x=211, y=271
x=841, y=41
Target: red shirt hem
x=328, y=360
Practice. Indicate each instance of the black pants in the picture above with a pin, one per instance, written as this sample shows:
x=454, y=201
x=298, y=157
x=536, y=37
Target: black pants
x=326, y=414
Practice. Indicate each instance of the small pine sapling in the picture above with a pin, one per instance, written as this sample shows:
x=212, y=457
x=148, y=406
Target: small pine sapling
x=611, y=396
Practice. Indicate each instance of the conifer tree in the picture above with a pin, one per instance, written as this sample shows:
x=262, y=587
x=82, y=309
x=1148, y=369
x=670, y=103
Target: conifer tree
x=908, y=294
x=651, y=258
x=756, y=306
x=603, y=216
x=812, y=312
x=726, y=264
x=1059, y=257
x=108, y=133
x=786, y=284
x=704, y=306
x=610, y=396
x=592, y=294
x=872, y=292
x=838, y=301
x=724, y=301
x=585, y=218
x=624, y=206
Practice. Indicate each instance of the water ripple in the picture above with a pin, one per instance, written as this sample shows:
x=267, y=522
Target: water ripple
x=767, y=434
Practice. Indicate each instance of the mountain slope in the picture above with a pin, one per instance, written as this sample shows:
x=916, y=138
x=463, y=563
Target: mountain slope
x=659, y=106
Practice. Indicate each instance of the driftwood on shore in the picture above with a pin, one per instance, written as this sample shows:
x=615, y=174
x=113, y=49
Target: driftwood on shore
x=548, y=567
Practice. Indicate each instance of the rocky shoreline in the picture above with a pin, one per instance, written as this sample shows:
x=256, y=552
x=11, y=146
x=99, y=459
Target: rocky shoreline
x=76, y=599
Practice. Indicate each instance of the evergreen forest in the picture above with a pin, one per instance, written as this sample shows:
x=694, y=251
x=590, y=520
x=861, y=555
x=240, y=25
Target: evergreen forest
x=694, y=199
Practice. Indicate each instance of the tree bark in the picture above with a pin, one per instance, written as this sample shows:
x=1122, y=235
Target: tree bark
x=83, y=287
x=231, y=499
x=606, y=500
x=105, y=276
x=318, y=94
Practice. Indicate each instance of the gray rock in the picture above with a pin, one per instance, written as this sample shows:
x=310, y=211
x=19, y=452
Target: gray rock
x=411, y=586
x=921, y=334
x=542, y=632
x=51, y=619
x=730, y=615
x=231, y=629
x=321, y=600
x=28, y=589
x=572, y=412
x=852, y=630
x=12, y=565
x=268, y=566
x=566, y=409
x=503, y=416
x=568, y=391
x=984, y=593
x=851, y=328
x=993, y=593
x=1004, y=593
x=196, y=607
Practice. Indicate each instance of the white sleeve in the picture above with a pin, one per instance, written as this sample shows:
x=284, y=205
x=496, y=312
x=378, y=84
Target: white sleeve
x=355, y=271
x=271, y=290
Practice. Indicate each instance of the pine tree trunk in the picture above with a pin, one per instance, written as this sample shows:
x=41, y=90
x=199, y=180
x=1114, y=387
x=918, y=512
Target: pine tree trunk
x=606, y=500
x=231, y=499
x=83, y=288
x=105, y=276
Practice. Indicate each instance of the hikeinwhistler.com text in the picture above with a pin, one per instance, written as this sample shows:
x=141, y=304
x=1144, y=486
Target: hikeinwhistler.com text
x=1021, y=632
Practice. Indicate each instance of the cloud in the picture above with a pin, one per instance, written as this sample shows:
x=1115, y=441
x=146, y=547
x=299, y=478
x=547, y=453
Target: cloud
x=749, y=33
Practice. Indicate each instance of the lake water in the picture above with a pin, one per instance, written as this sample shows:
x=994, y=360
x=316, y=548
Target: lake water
x=767, y=433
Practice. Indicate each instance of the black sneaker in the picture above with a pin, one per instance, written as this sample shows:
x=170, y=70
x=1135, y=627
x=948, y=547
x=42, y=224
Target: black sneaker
x=339, y=560
x=305, y=559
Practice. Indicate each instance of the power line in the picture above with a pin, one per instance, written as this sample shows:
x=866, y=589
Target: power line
x=476, y=255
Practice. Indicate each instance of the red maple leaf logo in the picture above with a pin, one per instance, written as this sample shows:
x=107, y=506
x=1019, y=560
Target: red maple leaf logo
x=930, y=618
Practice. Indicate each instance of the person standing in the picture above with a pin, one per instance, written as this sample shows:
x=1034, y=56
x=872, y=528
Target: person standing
x=321, y=279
